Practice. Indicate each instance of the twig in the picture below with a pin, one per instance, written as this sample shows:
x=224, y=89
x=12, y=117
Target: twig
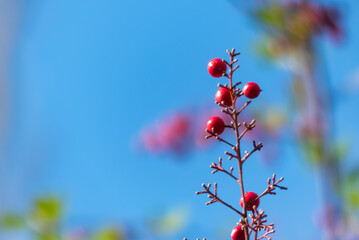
x=215, y=198
x=218, y=167
x=255, y=148
x=212, y=134
x=272, y=184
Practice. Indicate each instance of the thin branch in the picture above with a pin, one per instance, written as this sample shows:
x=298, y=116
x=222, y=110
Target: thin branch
x=255, y=148
x=218, y=138
x=249, y=127
x=218, y=167
x=266, y=234
x=230, y=155
x=272, y=185
x=243, y=107
x=215, y=198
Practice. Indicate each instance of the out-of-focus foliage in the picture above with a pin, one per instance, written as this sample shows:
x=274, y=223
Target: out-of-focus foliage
x=292, y=25
x=46, y=212
x=289, y=29
x=108, y=234
x=43, y=219
x=169, y=222
x=292, y=33
x=44, y=222
x=12, y=221
x=350, y=188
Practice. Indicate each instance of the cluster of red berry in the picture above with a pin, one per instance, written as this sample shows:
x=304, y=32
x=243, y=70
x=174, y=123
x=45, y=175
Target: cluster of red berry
x=218, y=68
x=226, y=97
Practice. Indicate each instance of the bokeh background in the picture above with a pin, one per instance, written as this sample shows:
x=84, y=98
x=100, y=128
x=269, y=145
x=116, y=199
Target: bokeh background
x=103, y=105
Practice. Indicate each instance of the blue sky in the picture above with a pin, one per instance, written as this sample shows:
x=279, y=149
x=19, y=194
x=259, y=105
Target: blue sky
x=85, y=76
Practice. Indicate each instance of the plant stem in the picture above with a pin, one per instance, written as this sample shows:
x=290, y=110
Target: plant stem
x=237, y=148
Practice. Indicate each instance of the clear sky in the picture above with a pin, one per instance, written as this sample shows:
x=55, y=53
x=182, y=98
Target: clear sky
x=85, y=76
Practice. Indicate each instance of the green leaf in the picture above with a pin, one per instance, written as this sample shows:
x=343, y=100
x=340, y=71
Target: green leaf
x=109, y=234
x=349, y=189
x=313, y=149
x=169, y=222
x=272, y=15
x=49, y=237
x=46, y=210
x=263, y=48
x=12, y=221
x=354, y=199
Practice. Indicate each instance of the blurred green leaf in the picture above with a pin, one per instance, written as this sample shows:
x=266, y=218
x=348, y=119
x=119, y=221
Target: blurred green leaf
x=274, y=119
x=12, y=221
x=169, y=222
x=262, y=48
x=350, y=189
x=354, y=199
x=313, y=149
x=340, y=150
x=46, y=210
x=109, y=234
x=272, y=15
x=48, y=237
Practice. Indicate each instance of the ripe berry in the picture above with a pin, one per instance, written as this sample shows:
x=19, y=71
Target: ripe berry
x=249, y=197
x=223, y=96
x=215, y=125
x=238, y=233
x=216, y=67
x=251, y=90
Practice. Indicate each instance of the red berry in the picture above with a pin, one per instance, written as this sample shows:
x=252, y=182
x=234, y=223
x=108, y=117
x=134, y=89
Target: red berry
x=249, y=197
x=238, y=233
x=216, y=67
x=215, y=125
x=223, y=96
x=251, y=90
